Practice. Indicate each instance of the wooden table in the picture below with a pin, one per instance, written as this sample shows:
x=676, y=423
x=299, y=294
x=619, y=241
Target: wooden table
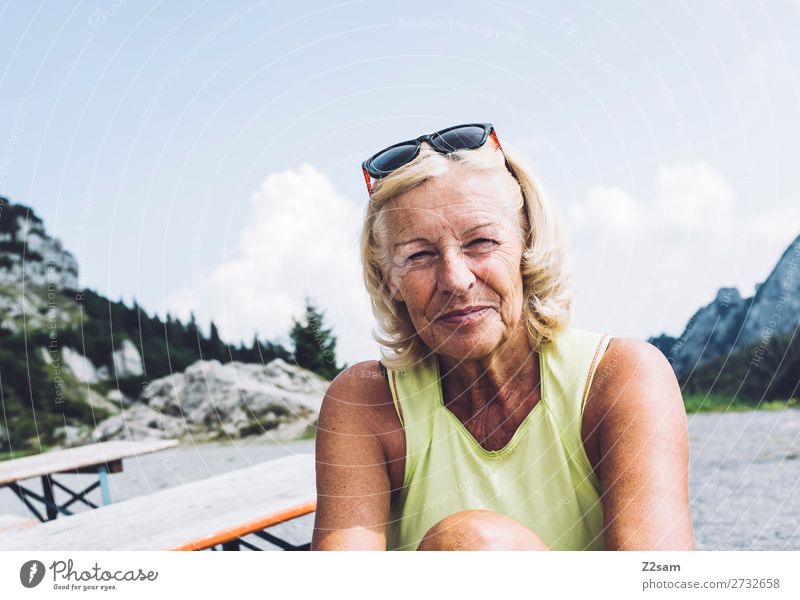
x=102, y=459
x=195, y=516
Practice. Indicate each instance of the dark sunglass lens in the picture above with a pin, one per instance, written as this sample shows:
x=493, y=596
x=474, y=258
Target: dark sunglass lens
x=391, y=159
x=463, y=138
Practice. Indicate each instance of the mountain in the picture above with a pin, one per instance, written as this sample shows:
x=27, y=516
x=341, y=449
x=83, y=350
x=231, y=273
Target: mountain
x=744, y=346
x=70, y=359
x=26, y=251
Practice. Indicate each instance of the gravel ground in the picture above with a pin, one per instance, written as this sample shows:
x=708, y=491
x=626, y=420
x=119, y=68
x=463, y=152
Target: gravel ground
x=744, y=478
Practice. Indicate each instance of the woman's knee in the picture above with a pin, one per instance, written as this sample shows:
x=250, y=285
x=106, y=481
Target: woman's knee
x=480, y=530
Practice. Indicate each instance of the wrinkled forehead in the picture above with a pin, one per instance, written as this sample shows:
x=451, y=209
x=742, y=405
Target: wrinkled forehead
x=455, y=201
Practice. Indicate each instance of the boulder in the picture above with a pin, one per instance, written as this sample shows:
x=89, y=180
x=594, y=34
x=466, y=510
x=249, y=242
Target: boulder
x=81, y=367
x=210, y=400
x=128, y=361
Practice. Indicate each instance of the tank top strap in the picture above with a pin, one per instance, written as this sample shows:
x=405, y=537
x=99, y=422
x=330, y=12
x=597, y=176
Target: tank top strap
x=570, y=362
x=415, y=393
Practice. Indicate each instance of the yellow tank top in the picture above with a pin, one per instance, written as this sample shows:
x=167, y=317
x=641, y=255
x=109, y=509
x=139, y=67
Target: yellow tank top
x=542, y=477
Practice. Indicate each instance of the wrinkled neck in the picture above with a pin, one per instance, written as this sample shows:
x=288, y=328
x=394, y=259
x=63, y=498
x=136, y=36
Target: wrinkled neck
x=506, y=378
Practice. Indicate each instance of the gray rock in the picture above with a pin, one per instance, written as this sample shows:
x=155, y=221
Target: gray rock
x=31, y=254
x=48, y=360
x=22, y=306
x=128, y=361
x=775, y=308
x=70, y=435
x=212, y=400
x=730, y=323
x=117, y=398
x=81, y=367
x=139, y=422
x=98, y=401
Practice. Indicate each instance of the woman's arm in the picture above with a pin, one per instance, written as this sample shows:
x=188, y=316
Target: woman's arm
x=643, y=450
x=353, y=489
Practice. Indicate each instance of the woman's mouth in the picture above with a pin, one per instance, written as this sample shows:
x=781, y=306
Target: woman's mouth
x=469, y=315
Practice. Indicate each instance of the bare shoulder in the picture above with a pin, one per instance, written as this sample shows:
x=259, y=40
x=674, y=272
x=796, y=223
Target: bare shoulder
x=359, y=395
x=633, y=382
x=630, y=364
x=363, y=384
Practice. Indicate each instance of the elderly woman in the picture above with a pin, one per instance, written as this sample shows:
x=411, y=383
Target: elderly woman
x=490, y=423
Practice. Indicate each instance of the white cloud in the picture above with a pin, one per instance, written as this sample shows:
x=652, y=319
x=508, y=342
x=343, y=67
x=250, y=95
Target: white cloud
x=644, y=266
x=691, y=199
x=607, y=208
x=302, y=238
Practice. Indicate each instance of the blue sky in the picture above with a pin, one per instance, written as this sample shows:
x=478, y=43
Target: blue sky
x=205, y=157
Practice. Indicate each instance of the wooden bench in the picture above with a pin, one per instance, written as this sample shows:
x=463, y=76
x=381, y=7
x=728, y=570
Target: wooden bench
x=11, y=521
x=101, y=459
x=195, y=516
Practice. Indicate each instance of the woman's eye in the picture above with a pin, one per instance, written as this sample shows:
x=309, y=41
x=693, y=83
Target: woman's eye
x=482, y=245
x=419, y=256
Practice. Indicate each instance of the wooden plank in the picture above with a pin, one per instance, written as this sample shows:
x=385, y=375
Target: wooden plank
x=191, y=516
x=77, y=459
x=9, y=521
x=115, y=466
x=226, y=535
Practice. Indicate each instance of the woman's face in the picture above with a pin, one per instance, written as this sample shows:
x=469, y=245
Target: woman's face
x=455, y=244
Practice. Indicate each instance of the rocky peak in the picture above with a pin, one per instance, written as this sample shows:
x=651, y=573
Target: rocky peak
x=728, y=295
x=776, y=304
x=730, y=323
x=28, y=252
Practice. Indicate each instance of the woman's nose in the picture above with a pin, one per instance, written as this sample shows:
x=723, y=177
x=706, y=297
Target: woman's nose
x=455, y=275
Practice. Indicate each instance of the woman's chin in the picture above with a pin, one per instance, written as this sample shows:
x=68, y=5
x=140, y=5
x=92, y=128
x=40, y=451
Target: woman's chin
x=458, y=346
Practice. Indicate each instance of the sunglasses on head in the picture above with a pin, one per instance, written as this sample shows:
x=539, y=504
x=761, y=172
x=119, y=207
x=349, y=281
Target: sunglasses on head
x=458, y=137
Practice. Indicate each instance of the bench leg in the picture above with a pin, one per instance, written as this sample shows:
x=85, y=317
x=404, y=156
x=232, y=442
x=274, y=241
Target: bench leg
x=102, y=475
x=49, y=498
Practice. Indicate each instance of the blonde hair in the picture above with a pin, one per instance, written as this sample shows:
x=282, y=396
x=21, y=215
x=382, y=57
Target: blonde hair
x=546, y=280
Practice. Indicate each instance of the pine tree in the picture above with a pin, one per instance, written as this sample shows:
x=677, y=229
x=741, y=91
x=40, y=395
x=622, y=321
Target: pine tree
x=173, y=330
x=314, y=344
x=217, y=349
x=193, y=335
x=253, y=350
